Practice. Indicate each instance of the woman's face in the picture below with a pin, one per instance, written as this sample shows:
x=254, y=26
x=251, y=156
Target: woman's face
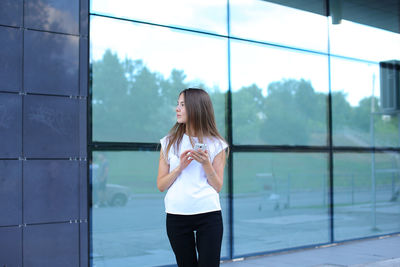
x=181, y=110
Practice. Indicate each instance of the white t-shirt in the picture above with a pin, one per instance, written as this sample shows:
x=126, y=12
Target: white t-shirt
x=191, y=193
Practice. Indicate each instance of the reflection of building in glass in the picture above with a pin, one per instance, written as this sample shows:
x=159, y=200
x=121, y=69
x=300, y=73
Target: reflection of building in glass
x=303, y=97
x=390, y=86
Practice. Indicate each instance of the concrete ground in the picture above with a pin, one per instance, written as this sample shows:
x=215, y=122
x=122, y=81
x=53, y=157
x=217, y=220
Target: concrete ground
x=376, y=252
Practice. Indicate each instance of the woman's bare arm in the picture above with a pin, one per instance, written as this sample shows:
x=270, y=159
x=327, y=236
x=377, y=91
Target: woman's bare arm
x=165, y=178
x=214, y=170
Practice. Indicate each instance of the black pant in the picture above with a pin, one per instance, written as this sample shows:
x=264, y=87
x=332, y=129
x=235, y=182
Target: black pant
x=202, y=231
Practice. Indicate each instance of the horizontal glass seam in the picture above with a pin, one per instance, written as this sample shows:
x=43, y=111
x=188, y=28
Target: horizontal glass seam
x=131, y=146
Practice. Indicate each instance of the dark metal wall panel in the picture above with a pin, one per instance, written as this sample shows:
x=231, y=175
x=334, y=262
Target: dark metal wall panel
x=82, y=128
x=11, y=246
x=84, y=23
x=10, y=58
x=83, y=134
x=51, y=127
x=43, y=132
x=10, y=193
x=11, y=12
x=49, y=245
x=84, y=64
x=10, y=125
x=55, y=16
x=83, y=185
x=51, y=191
x=84, y=244
x=51, y=63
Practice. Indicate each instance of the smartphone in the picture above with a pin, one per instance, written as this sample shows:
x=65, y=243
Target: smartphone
x=201, y=146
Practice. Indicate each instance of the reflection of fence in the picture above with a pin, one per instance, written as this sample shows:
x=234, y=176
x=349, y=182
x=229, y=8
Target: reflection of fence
x=395, y=191
x=386, y=180
x=349, y=188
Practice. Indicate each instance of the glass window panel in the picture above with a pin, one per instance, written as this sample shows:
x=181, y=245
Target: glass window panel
x=272, y=92
x=366, y=194
x=368, y=31
x=358, y=119
x=277, y=207
x=139, y=70
x=224, y=200
x=301, y=25
x=203, y=15
x=128, y=229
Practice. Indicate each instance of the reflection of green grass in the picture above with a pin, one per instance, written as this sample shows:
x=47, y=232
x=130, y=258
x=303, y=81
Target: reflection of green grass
x=273, y=171
x=136, y=170
x=306, y=171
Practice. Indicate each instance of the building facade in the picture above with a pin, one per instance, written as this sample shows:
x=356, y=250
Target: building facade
x=43, y=133
x=305, y=92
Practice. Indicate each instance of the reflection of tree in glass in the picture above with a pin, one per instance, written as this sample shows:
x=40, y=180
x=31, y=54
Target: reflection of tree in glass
x=295, y=113
x=291, y=113
x=132, y=103
x=360, y=120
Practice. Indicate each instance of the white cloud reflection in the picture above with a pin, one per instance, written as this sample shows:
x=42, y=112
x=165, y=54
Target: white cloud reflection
x=204, y=57
x=207, y=15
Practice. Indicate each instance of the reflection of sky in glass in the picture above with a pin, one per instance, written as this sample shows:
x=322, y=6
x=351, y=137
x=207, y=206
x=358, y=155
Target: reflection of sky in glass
x=206, y=15
x=261, y=65
x=364, y=42
x=355, y=79
x=263, y=21
x=203, y=58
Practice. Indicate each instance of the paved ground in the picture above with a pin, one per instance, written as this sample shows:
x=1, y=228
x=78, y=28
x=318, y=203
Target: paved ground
x=377, y=252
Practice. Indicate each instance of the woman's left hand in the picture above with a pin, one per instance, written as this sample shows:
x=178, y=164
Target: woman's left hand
x=201, y=156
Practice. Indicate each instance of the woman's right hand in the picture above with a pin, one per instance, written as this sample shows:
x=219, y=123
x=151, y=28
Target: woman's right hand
x=165, y=178
x=184, y=160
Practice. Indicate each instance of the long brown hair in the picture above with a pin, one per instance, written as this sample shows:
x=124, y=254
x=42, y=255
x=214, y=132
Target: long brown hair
x=200, y=119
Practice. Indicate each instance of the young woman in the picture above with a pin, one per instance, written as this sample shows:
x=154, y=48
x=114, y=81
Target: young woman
x=193, y=178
